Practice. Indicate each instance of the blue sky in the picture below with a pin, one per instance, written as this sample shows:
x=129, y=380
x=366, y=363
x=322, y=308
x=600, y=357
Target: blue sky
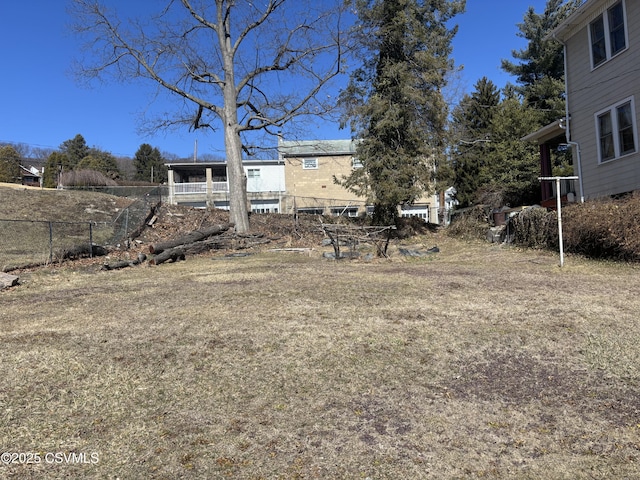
x=41, y=105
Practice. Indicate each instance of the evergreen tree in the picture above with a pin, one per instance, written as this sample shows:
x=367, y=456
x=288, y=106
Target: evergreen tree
x=74, y=154
x=9, y=165
x=56, y=164
x=539, y=71
x=75, y=150
x=472, y=127
x=492, y=165
x=149, y=160
x=394, y=103
x=100, y=161
x=513, y=167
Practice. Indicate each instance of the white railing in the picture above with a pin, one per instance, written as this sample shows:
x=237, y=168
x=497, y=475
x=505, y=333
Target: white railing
x=566, y=186
x=193, y=187
x=199, y=187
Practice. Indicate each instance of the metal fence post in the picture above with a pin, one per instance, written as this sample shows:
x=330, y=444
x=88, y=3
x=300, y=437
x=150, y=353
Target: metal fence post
x=90, y=240
x=50, y=242
x=126, y=224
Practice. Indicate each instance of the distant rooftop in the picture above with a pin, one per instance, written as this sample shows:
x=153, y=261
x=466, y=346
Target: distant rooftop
x=201, y=163
x=299, y=148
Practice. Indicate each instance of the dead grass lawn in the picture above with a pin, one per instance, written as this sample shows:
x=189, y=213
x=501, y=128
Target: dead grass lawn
x=477, y=362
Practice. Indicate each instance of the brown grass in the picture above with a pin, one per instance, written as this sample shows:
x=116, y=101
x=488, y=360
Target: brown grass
x=29, y=203
x=477, y=362
x=25, y=238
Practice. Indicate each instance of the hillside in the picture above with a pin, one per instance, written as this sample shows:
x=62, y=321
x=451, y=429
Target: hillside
x=26, y=244
x=18, y=202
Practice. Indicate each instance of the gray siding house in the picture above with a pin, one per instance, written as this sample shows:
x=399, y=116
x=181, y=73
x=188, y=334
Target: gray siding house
x=602, y=72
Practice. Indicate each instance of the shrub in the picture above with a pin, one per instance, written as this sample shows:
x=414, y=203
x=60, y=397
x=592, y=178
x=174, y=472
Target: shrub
x=86, y=178
x=534, y=227
x=604, y=228
x=469, y=223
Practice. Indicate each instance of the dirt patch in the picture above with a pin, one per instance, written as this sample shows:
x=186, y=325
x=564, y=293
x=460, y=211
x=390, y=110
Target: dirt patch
x=518, y=378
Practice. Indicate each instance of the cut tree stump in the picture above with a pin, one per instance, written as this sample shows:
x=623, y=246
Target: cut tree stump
x=191, y=237
x=7, y=280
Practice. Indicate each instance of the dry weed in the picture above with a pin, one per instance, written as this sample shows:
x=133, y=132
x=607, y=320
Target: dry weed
x=477, y=362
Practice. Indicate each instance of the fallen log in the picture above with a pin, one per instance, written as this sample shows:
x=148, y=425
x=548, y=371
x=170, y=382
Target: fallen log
x=206, y=245
x=191, y=237
x=83, y=250
x=173, y=255
x=220, y=242
x=125, y=263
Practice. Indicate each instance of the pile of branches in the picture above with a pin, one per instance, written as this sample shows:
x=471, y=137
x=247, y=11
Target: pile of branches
x=352, y=235
x=195, y=242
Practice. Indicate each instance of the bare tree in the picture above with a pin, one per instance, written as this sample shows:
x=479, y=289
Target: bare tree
x=241, y=65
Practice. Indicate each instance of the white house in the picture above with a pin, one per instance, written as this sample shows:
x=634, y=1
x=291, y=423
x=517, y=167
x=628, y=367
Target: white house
x=204, y=184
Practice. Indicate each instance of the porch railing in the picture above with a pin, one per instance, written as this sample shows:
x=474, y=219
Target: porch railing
x=566, y=186
x=199, y=187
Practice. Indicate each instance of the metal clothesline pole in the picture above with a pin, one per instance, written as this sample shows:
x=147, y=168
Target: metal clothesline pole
x=559, y=210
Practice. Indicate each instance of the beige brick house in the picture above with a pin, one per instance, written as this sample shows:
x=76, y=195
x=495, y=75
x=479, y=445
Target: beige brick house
x=310, y=168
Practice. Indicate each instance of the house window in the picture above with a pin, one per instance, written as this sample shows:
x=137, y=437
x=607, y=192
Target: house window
x=310, y=211
x=344, y=211
x=356, y=163
x=616, y=127
x=616, y=28
x=415, y=211
x=253, y=173
x=309, y=163
x=608, y=34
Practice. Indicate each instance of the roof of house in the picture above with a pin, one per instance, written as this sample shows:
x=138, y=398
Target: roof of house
x=583, y=15
x=30, y=171
x=547, y=132
x=248, y=163
x=301, y=148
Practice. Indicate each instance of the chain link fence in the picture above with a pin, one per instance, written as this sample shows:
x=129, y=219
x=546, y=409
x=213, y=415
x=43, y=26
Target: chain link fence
x=25, y=243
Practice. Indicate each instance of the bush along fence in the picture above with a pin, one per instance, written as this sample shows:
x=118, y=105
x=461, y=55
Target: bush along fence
x=29, y=243
x=605, y=228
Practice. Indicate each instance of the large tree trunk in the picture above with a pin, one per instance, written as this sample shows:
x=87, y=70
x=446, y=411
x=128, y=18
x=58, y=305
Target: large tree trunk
x=238, y=212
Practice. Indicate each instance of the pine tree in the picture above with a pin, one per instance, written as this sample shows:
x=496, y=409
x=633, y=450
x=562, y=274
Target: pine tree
x=513, y=166
x=492, y=165
x=149, y=164
x=540, y=69
x=9, y=164
x=75, y=150
x=394, y=102
x=472, y=126
x=100, y=161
